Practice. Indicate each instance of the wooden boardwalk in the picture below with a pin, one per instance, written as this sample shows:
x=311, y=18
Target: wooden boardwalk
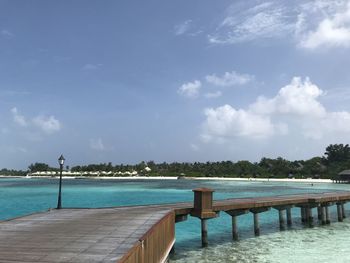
x=135, y=234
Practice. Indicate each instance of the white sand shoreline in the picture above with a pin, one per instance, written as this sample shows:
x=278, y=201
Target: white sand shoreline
x=287, y=180
x=307, y=180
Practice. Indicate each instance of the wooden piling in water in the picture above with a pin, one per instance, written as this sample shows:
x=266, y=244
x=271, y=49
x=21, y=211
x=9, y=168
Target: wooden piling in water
x=339, y=212
x=319, y=213
x=256, y=212
x=234, y=214
x=289, y=216
x=343, y=210
x=303, y=214
x=204, y=232
x=310, y=218
x=234, y=228
x=328, y=221
x=281, y=218
x=323, y=215
x=256, y=224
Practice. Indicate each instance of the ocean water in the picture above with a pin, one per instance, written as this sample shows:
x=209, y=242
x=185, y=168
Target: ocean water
x=296, y=244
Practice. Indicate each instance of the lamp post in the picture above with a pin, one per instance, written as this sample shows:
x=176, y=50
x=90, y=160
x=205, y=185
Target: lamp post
x=61, y=162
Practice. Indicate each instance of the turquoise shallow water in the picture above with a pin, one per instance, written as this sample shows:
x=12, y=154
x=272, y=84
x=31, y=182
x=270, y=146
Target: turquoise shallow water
x=319, y=244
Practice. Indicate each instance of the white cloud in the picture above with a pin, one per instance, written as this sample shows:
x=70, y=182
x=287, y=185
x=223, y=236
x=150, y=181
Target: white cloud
x=6, y=33
x=225, y=121
x=332, y=31
x=294, y=111
x=299, y=98
x=190, y=89
x=310, y=24
x=183, y=27
x=47, y=124
x=267, y=20
x=212, y=95
x=229, y=79
x=18, y=118
x=97, y=144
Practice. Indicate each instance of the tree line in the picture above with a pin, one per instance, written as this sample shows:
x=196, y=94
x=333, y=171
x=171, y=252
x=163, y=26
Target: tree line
x=336, y=158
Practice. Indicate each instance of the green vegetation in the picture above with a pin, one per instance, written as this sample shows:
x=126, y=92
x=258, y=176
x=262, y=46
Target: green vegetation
x=7, y=172
x=37, y=167
x=336, y=158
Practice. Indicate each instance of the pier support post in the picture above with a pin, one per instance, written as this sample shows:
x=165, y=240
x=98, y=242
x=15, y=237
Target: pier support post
x=281, y=210
x=256, y=212
x=281, y=218
x=234, y=228
x=234, y=214
x=204, y=232
x=323, y=215
x=203, y=209
x=339, y=212
x=310, y=218
x=306, y=213
x=256, y=224
x=328, y=221
x=289, y=216
x=303, y=214
x=343, y=210
x=319, y=213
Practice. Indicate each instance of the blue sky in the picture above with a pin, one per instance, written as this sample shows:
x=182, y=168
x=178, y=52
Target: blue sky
x=126, y=81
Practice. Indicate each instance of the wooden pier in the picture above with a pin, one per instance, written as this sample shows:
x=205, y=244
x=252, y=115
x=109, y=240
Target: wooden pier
x=132, y=234
x=144, y=233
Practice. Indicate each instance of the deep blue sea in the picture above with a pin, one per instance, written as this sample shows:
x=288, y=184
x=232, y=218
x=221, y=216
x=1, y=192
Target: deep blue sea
x=298, y=244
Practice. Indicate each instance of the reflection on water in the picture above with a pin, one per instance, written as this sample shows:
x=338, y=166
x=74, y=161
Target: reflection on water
x=298, y=244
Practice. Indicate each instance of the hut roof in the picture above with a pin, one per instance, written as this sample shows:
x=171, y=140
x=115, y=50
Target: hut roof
x=345, y=172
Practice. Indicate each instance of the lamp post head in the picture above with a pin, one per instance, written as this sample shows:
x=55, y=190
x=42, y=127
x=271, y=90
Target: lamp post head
x=61, y=160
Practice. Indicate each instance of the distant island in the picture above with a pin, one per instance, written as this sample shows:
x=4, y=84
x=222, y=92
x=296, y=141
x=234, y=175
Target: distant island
x=336, y=159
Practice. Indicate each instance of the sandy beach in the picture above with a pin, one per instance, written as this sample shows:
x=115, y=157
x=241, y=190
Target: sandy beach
x=307, y=180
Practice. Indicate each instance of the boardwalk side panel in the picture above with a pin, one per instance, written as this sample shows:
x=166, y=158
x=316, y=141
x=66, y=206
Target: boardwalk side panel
x=159, y=240
x=156, y=244
x=134, y=255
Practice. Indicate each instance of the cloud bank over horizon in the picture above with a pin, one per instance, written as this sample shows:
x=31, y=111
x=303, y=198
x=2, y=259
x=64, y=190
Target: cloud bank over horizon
x=294, y=113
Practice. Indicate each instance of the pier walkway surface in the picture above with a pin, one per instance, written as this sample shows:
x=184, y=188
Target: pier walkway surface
x=138, y=233
x=76, y=235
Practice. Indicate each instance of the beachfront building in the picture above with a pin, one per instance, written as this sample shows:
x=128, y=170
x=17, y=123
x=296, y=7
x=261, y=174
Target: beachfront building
x=343, y=177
